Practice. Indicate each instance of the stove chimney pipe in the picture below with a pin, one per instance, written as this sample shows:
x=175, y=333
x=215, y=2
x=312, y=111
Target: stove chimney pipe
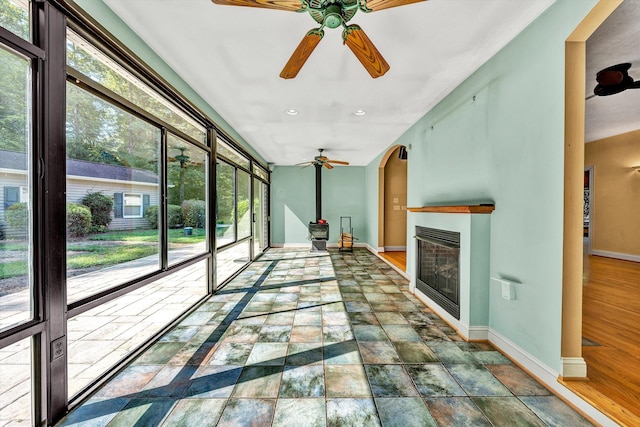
x=318, y=191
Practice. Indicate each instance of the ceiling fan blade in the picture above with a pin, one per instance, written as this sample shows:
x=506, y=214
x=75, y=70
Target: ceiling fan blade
x=327, y=165
x=291, y=5
x=375, y=5
x=338, y=162
x=365, y=51
x=302, y=53
x=304, y=163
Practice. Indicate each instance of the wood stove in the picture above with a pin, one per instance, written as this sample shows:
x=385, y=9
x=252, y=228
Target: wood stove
x=437, y=267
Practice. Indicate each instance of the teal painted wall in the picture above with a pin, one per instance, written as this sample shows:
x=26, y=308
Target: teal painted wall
x=500, y=137
x=110, y=21
x=293, y=201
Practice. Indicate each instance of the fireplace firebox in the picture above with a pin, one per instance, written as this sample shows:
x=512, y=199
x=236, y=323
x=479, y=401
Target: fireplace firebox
x=437, y=267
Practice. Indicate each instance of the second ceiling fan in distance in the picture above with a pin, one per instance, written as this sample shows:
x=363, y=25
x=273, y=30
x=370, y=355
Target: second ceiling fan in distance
x=323, y=161
x=331, y=14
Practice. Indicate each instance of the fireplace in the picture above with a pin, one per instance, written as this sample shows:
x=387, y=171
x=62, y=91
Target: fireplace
x=437, y=267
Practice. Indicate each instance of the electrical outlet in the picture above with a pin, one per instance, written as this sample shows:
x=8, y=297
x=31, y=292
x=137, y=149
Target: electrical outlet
x=57, y=348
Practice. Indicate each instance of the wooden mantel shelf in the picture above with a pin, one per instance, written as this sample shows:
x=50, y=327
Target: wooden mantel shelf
x=460, y=209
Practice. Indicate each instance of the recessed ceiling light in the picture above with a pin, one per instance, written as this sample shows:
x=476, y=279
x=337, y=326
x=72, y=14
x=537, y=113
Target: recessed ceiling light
x=359, y=112
x=292, y=112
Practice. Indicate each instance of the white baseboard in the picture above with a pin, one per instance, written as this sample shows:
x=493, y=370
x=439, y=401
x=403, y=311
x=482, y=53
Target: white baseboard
x=548, y=377
x=394, y=248
x=380, y=249
x=617, y=255
x=574, y=367
x=478, y=333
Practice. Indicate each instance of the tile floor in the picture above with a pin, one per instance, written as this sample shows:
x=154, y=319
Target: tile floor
x=313, y=339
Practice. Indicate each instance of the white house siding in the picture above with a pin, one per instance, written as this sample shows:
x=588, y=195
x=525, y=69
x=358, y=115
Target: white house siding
x=10, y=178
x=78, y=187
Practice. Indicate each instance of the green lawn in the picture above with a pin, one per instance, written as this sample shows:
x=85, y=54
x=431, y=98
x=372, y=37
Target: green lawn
x=175, y=236
x=84, y=254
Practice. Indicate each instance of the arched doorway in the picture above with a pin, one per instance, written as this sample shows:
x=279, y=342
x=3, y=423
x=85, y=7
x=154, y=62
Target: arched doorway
x=392, y=205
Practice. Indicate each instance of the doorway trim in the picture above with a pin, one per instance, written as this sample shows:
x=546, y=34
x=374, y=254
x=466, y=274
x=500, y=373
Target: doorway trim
x=573, y=364
x=381, y=195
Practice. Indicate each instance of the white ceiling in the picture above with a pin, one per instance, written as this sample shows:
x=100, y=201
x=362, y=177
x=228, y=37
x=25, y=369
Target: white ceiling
x=616, y=41
x=232, y=56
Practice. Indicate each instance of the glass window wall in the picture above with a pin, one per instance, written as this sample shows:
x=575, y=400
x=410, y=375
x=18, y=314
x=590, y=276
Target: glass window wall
x=112, y=189
x=14, y=16
x=15, y=384
x=103, y=336
x=16, y=300
x=225, y=206
x=187, y=211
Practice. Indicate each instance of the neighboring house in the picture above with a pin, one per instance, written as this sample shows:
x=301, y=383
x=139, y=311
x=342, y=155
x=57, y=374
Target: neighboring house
x=132, y=190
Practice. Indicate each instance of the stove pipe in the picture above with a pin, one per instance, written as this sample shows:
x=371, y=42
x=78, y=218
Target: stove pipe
x=318, y=191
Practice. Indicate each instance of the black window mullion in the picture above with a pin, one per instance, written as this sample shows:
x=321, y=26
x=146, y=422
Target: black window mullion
x=51, y=35
x=163, y=209
x=212, y=182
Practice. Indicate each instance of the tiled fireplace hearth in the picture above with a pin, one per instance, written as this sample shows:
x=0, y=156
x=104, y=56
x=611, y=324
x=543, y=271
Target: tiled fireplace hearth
x=472, y=226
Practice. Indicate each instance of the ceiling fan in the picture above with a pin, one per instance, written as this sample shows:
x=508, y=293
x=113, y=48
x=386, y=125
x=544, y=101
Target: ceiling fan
x=332, y=14
x=614, y=79
x=323, y=161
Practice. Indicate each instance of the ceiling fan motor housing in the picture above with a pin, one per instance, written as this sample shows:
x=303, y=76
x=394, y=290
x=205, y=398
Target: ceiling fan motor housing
x=333, y=16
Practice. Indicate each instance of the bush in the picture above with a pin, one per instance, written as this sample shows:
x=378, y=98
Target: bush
x=78, y=220
x=243, y=208
x=194, y=213
x=174, y=216
x=17, y=216
x=100, y=207
x=151, y=214
x=2, y=232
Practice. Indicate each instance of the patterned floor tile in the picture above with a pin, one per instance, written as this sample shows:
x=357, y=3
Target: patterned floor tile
x=258, y=382
x=390, y=381
x=195, y=413
x=415, y=352
x=268, y=353
x=434, y=380
x=300, y=354
x=302, y=381
x=516, y=380
x=554, y=412
x=503, y=411
x=213, y=381
x=341, y=353
x=352, y=412
x=300, y=412
x=247, y=413
x=378, y=352
x=404, y=411
x=325, y=335
x=456, y=412
x=477, y=381
x=346, y=381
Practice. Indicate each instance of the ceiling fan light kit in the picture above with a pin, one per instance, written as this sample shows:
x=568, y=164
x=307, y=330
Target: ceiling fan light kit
x=330, y=14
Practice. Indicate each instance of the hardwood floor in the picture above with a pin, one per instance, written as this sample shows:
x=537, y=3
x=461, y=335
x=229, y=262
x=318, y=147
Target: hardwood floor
x=611, y=319
x=397, y=258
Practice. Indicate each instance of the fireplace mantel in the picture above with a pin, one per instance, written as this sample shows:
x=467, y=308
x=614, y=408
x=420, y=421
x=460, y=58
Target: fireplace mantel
x=463, y=209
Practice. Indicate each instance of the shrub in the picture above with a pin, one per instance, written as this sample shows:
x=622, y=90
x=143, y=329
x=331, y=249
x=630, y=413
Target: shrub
x=174, y=215
x=100, y=207
x=243, y=208
x=194, y=213
x=78, y=220
x=17, y=216
x=151, y=214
